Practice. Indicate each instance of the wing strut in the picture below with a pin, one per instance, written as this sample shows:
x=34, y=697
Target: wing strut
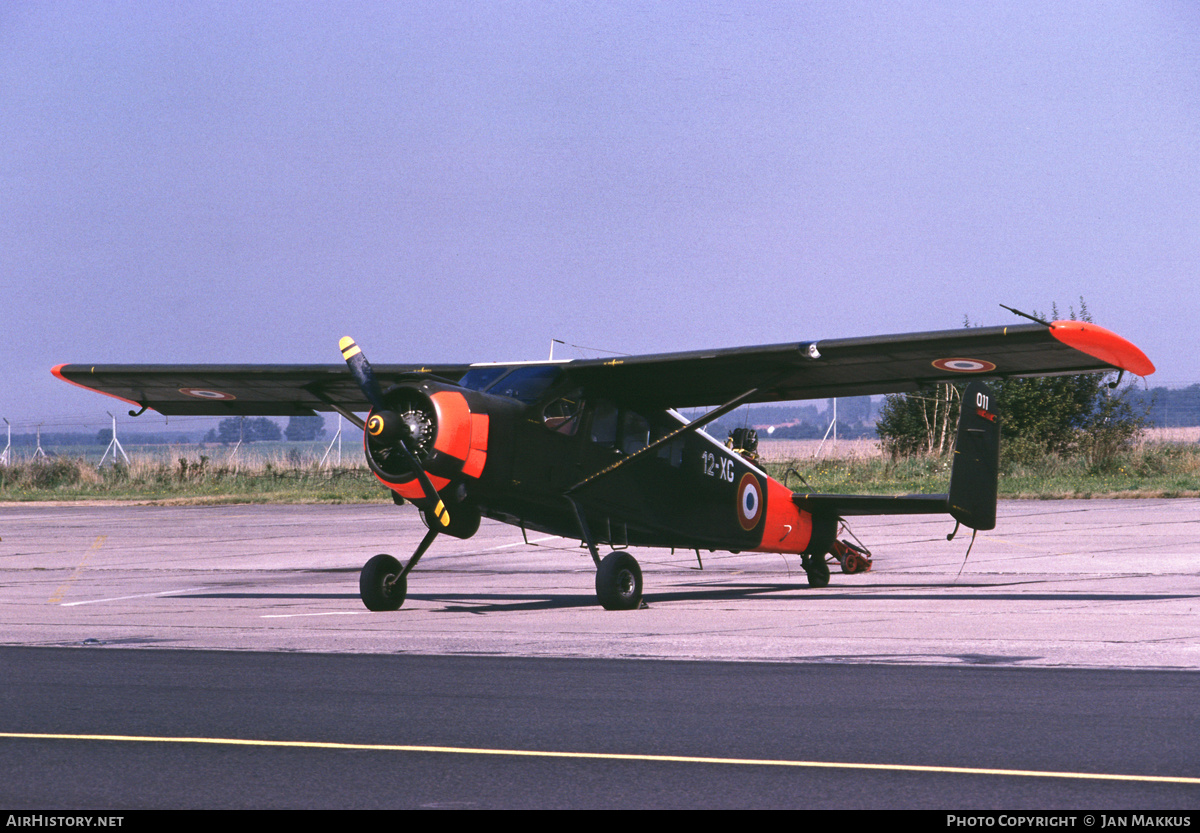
x=694, y=425
x=351, y=417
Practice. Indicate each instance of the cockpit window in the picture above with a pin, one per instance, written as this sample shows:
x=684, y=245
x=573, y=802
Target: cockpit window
x=478, y=378
x=527, y=383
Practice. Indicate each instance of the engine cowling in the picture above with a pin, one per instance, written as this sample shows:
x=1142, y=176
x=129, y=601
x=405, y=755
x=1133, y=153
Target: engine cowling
x=447, y=437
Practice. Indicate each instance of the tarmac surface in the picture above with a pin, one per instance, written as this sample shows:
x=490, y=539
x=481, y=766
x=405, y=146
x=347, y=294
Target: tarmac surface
x=1067, y=584
x=1053, y=668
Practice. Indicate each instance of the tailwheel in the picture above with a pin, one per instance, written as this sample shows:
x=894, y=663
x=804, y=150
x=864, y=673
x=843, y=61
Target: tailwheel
x=817, y=570
x=382, y=583
x=619, y=582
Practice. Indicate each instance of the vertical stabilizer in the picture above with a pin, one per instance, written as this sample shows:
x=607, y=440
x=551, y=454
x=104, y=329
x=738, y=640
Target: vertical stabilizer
x=976, y=469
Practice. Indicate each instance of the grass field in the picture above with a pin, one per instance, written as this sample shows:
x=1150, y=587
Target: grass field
x=1166, y=465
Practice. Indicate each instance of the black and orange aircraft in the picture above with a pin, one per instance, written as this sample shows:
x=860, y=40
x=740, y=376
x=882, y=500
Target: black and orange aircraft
x=593, y=449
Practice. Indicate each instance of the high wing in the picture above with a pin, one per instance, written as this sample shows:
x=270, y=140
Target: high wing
x=860, y=366
x=241, y=389
x=778, y=372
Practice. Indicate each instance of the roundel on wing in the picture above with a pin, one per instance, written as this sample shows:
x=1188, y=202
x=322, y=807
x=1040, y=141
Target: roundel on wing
x=964, y=365
x=201, y=393
x=749, y=501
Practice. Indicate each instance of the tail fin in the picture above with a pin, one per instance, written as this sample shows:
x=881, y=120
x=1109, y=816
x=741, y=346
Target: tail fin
x=975, y=472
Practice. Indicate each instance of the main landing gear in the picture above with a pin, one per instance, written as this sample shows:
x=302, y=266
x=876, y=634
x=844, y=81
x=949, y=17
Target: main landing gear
x=618, y=576
x=383, y=582
x=619, y=582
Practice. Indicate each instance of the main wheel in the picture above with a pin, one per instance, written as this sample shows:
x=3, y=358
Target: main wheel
x=381, y=585
x=619, y=582
x=817, y=571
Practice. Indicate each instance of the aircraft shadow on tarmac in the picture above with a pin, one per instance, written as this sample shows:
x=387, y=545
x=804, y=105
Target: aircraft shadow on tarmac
x=481, y=603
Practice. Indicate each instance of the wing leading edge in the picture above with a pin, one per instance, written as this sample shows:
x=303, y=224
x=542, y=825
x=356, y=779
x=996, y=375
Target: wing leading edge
x=780, y=372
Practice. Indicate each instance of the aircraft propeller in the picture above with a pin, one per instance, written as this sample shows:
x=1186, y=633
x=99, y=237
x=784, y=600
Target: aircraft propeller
x=385, y=428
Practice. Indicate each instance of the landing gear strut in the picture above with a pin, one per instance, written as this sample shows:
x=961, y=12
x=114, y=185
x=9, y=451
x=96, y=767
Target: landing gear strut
x=618, y=576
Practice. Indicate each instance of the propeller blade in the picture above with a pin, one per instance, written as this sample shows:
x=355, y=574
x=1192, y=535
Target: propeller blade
x=360, y=369
x=385, y=423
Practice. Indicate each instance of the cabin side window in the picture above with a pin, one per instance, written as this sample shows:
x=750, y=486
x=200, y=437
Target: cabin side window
x=635, y=432
x=604, y=423
x=564, y=414
x=619, y=428
x=672, y=452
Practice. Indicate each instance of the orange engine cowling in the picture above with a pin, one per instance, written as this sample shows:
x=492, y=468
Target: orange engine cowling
x=449, y=439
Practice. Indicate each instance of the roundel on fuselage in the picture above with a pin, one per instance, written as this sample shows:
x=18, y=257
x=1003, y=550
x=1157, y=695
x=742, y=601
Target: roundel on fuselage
x=749, y=501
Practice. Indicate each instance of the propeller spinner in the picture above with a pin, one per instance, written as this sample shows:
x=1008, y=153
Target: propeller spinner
x=385, y=427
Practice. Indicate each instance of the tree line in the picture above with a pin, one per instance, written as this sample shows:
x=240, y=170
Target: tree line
x=261, y=429
x=1168, y=407
x=227, y=432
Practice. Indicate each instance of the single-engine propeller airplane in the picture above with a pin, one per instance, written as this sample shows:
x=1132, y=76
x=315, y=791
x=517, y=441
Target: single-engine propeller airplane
x=594, y=449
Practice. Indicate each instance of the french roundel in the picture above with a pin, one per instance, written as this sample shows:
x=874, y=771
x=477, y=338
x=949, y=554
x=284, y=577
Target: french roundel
x=964, y=365
x=215, y=395
x=749, y=501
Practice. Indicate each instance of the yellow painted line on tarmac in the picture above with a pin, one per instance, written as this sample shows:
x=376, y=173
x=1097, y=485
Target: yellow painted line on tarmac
x=611, y=756
x=62, y=589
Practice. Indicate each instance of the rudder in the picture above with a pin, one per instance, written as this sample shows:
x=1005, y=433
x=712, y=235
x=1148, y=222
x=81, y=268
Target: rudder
x=975, y=473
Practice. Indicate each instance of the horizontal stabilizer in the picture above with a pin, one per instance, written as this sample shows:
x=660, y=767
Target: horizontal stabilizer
x=844, y=506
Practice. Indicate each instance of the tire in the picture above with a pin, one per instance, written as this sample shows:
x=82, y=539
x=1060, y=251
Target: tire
x=372, y=584
x=619, y=582
x=818, y=571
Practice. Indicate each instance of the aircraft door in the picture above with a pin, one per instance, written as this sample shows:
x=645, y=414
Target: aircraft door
x=553, y=434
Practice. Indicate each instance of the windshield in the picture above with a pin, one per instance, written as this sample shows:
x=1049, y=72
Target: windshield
x=478, y=378
x=526, y=383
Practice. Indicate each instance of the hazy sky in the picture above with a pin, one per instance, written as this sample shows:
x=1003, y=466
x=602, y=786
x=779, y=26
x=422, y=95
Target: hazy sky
x=233, y=182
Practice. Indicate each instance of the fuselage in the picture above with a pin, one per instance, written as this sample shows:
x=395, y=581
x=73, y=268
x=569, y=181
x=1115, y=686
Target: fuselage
x=527, y=445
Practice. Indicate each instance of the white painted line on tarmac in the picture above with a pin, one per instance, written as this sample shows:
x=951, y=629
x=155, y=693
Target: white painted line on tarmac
x=522, y=543
x=138, y=596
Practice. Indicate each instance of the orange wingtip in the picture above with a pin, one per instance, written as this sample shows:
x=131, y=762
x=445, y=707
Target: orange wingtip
x=57, y=371
x=1102, y=344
